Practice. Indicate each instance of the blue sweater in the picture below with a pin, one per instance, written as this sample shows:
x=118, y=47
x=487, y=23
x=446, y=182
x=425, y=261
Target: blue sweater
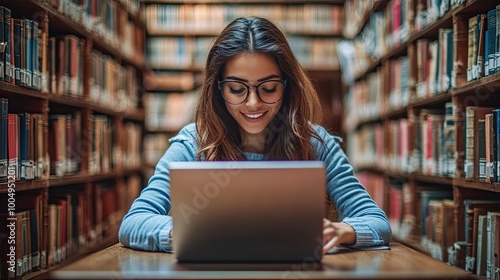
x=147, y=225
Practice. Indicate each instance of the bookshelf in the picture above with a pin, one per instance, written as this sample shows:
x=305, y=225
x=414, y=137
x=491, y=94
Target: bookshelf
x=179, y=34
x=71, y=125
x=413, y=134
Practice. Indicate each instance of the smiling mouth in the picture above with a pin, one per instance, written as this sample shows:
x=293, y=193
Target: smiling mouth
x=253, y=116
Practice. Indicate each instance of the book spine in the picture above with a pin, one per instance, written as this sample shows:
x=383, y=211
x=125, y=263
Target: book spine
x=28, y=56
x=8, y=73
x=496, y=147
x=489, y=247
x=491, y=42
x=3, y=43
x=481, y=162
x=497, y=40
x=496, y=233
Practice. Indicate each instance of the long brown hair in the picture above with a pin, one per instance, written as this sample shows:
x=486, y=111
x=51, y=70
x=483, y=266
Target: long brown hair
x=290, y=132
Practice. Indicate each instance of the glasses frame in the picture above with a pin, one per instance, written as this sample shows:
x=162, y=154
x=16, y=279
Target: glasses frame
x=220, y=83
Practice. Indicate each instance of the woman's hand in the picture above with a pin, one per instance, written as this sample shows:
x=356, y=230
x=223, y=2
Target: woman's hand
x=335, y=234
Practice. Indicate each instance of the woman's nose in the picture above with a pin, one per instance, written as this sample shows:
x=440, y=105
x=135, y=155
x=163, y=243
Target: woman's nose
x=253, y=98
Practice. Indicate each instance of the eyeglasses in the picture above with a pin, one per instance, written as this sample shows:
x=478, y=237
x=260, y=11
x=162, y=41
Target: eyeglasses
x=236, y=92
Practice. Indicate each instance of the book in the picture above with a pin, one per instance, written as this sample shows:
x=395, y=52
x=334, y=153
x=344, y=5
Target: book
x=490, y=175
x=7, y=23
x=472, y=142
x=481, y=245
x=495, y=232
x=491, y=241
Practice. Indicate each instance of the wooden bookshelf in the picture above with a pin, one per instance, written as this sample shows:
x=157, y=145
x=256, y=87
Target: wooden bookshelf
x=399, y=160
x=85, y=151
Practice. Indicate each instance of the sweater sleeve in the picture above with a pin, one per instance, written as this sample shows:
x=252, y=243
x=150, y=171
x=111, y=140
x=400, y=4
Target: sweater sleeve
x=355, y=205
x=147, y=224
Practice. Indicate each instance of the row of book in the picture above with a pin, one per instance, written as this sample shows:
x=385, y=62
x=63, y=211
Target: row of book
x=185, y=52
x=56, y=64
x=384, y=31
x=399, y=92
x=20, y=51
x=434, y=64
x=427, y=215
x=356, y=11
x=483, y=44
x=25, y=252
x=481, y=143
x=177, y=52
x=155, y=145
x=78, y=217
x=425, y=144
x=108, y=21
x=164, y=18
x=113, y=85
x=429, y=11
x=22, y=144
x=169, y=111
x=21, y=148
x=315, y=52
x=482, y=225
x=363, y=100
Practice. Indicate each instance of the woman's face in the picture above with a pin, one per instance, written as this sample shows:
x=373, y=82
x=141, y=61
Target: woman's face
x=252, y=69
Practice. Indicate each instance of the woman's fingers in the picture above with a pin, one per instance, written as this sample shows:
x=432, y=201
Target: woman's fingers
x=330, y=244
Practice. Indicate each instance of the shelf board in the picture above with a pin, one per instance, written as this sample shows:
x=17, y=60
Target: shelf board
x=24, y=185
x=136, y=115
x=65, y=100
x=76, y=179
x=12, y=91
x=431, y=31
x=439, y=99
x=489, y=83
x=111, y=239
x=374, y=64
x=474, y=7
x=431, y=179
x=55, y=181
x=64, y=25
x=395, y=113
x=398, y=51
x=493, y=187
x=377, y=6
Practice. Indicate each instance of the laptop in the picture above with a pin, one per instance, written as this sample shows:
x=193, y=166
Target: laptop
x=248, y=211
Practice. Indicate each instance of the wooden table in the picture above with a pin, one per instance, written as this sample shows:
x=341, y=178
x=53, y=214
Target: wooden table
x=400, y=262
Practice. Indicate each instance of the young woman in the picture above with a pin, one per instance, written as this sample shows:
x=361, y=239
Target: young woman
x=257, y=103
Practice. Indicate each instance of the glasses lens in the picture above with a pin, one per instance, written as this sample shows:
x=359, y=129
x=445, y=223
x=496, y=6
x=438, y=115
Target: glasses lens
x=234, y=92
x=271, y=91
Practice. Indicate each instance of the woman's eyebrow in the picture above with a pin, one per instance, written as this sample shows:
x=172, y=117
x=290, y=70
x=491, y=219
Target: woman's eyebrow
x=273, y=76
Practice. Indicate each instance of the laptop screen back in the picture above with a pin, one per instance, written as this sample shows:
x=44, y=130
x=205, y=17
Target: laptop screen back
x=247, y=211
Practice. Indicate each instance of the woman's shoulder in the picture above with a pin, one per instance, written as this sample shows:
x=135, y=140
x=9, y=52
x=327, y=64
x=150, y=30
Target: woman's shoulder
x=186, y=133
x=325, y=135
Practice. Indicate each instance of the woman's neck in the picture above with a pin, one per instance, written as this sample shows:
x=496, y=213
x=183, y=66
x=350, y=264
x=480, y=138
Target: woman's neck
x=253, y=143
